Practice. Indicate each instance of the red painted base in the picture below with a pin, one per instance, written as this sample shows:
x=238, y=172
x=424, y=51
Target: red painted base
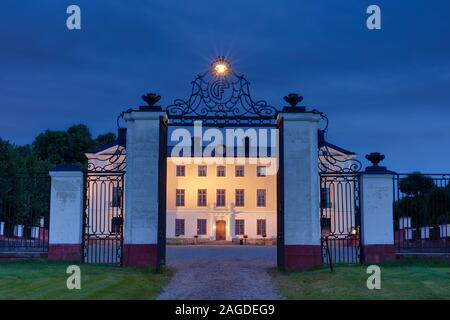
x=302, y=257
x=377, y=253
x=65, y=252
x=139, y=255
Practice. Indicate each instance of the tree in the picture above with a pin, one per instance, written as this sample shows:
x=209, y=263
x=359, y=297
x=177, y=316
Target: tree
x=80, y=141
x=52, y=146
x=106, y=138
x=68, y=146
x=416, y=184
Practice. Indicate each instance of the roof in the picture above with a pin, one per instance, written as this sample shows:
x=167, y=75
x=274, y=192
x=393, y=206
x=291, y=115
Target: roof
x=335, y=147
x=104, y=147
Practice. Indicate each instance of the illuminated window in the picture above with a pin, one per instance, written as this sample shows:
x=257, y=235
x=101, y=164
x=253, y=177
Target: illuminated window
x=201, y=226
x=181, y=171
x=260, y=171
x=239, y=227
x=261, y=227
x=239, y=198
x=239, y=171
x=179, y=227
x=201, y=198
x=180, y=198
x=261, y=198
x=202, y=171
x=220, y=201
x=221, y=171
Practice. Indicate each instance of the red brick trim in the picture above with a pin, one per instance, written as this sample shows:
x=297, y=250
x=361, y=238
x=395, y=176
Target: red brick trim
x=377, y=253
x=65, y=252
x=302, y=257
x=139, y=255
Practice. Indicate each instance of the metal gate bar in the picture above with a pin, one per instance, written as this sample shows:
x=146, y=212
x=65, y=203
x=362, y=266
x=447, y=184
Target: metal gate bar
x=103, y=219
x=340, y=217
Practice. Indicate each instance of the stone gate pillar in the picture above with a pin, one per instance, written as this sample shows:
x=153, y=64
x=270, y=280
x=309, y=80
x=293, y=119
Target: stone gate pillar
x=66, y=213
x=142, y=187
x=301, y=189
x=377, y=217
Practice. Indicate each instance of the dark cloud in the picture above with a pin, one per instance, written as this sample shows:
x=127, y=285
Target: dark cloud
x=383, y=90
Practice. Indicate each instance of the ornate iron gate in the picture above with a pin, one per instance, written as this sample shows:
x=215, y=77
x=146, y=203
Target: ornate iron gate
x=103, y=218
x=340, y=217
x=340, y=214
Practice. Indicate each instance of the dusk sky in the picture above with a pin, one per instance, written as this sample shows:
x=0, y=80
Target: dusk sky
x=383, y=90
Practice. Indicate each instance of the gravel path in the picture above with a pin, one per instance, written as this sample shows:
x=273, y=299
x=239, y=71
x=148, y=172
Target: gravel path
x=220, y=273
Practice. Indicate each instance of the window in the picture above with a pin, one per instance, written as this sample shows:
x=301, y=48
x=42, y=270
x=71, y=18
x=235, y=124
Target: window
x=239, y=198
x=239, y=171
x=261, y=227
x=201, y=198
x=325, y=201
x=260, y=171
x=220, y=201
x=239, y=227
x=202, y=171
x=181, y=171
x=179, y=227
x=221, y=171
x=116, y=197
x=201, y=226
x=180, y=198
x=261, y=198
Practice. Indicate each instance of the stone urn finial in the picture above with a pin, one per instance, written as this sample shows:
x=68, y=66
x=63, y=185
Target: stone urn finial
x=375, y=158
x=151, y=98
x=293, y=99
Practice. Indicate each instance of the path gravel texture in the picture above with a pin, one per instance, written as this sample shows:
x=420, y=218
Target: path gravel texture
x=220, y=273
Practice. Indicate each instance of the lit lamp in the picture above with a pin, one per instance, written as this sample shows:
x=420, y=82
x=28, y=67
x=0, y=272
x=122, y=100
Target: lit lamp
x=220, y=67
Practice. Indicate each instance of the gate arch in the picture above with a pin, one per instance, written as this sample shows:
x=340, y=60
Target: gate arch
x=219, y=100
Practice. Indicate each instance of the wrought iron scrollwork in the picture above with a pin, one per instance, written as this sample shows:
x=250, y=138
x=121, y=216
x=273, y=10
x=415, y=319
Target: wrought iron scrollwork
x=114, y=162
x=330, y=163
x=216, y=99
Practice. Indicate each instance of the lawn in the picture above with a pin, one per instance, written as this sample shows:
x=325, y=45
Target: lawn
x=47, y=280
x=409, y=279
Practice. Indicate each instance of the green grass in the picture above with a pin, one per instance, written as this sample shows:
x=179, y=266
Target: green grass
x=47, y=280
x=412, y=280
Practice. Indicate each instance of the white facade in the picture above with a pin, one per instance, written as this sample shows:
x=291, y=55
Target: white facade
x=247, y=186
x=250, y=213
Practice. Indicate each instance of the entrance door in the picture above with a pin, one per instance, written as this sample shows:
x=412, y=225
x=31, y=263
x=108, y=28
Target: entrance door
x=220, y=230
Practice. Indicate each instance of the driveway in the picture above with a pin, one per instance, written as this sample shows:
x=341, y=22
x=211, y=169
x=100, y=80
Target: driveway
x=220, y=273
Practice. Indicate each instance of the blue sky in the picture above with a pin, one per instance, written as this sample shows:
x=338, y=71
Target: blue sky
x=386, y=90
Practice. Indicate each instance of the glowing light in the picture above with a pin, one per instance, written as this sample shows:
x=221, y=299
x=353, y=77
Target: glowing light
x=220, y=67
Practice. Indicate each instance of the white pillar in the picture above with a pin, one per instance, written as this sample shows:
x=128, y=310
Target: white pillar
x=301, y=190
x=66, y=213
x=142, y=188
x=377, y=226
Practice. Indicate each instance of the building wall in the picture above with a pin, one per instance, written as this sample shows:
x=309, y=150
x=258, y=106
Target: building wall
x=191, y=183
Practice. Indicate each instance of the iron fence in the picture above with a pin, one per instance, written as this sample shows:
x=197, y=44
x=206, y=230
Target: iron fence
x=24, y=213
x=422, y=213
